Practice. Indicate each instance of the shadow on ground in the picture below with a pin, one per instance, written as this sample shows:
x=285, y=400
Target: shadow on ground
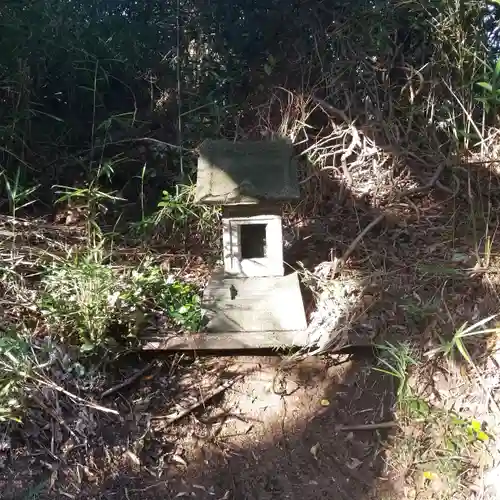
x=277, y=433
x=274, y=435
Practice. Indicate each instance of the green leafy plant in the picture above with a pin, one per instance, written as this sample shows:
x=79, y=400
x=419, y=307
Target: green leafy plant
x=457, y=342
x=18, y=195
x=149, y=288
x=178, y=210
x=445, y=448
x=473, y=429
x=15, y=366
x=181, y=209
x=449, y=348
x=84, y=298
x=182, y=304
x=397, y=360
x=175, y=207
x=491, y=88
x=77, y=299
x=92, y=198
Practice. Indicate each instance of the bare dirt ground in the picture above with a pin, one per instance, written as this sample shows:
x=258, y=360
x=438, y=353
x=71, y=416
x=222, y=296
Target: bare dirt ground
x=273, y=434
x=276, y=435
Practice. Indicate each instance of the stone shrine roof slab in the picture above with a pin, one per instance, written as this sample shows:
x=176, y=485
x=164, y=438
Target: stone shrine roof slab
x=246, y=172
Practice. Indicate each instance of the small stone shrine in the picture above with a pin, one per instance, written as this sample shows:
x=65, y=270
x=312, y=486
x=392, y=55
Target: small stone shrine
x=251, y=302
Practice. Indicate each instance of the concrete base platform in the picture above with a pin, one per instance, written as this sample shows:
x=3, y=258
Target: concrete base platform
x=224, y=341
x=245, y=313
x=257, y=304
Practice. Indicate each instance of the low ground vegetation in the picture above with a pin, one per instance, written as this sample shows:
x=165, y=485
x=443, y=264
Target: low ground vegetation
x=392, y=108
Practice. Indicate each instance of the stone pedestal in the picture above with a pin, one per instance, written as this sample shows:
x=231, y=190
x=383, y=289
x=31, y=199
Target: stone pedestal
x=246, y=313
x=250, y=303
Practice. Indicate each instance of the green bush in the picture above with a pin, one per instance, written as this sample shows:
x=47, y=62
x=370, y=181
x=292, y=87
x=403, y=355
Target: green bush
x=77, y=300
x=147, y=288
x=84, y=300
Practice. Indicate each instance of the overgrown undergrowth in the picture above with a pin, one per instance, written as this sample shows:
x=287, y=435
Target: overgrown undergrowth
x=392, y=107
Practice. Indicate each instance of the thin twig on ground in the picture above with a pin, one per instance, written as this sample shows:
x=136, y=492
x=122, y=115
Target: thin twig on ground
x=427, y=187
x=89, y=404
x=339, y=263
x=173, y=417
x=130, y=380
x=367, y=427
x=56, y=417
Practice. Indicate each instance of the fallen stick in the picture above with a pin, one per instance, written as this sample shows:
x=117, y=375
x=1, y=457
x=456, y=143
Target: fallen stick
x=56, y=417
x=367, y=427
x=128, y=381
x=173, y=417
x=331, y=109
x=354, y=132
x=340, y=262
x=89, y=404
x=427, y=187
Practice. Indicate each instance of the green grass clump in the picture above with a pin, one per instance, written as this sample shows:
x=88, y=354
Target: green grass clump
x=179, y=212
x=436, y=446
x=397, y=360
x=88, y=301
x=15, y=366
x=77, y=300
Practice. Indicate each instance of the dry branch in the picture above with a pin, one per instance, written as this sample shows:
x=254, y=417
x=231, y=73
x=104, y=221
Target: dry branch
x=427, y=187
x=130, y=380
x=340, y=262
x=89, y=404
x=367, y=427
x=173, y=417
x=331, y=109
x=57, y=418
x=355, y=141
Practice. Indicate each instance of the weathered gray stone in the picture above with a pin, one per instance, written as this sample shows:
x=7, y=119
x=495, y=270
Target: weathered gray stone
x=246, y=172
x=226, y=341
x=271, y=304
x=237, y=260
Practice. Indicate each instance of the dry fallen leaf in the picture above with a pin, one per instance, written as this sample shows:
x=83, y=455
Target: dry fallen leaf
x=314, y=451
x=90, y=476
x=179, y=460
x=132, y=458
